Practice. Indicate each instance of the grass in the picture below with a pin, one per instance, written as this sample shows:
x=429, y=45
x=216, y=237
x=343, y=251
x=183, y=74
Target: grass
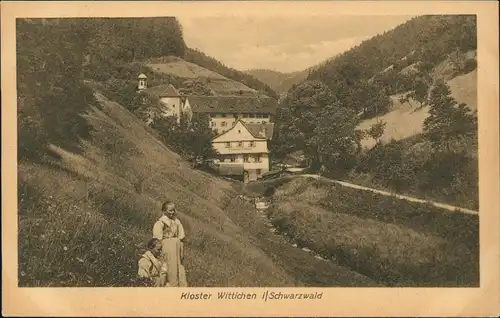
x=307, y=270
x=394, y=242
x=82, y=221
x=187, y=70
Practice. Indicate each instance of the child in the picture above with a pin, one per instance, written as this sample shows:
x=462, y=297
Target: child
x=151, y=267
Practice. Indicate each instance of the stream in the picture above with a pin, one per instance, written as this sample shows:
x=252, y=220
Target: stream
x=261, y=208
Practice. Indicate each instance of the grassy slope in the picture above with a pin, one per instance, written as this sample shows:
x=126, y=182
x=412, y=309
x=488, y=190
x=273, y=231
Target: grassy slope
x=84, y=219
x=391, y=241
x=403, y=121
x=179, y=67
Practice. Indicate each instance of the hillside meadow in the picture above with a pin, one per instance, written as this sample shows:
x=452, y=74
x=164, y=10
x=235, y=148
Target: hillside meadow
x=178, y=67
x=404, y=121
x=84, y=218
x=392, y=241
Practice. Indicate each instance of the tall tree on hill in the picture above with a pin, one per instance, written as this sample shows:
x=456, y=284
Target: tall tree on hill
x=286, y=137
x=337, y=138
x=376, y=131
x=418, y=90
x=189, y=138
x=305, y=102
x=451, y=129
x=449, y=124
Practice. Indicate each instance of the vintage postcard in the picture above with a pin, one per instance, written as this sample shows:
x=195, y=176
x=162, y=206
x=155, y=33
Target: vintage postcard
x=250, y=158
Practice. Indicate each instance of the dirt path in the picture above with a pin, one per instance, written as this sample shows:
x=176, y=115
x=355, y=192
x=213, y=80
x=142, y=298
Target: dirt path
x=399, y=196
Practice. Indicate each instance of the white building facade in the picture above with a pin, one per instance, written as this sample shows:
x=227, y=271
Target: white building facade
x=172, y=103
x=241, y=152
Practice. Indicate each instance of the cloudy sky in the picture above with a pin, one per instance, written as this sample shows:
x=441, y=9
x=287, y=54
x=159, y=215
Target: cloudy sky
x=283, y=44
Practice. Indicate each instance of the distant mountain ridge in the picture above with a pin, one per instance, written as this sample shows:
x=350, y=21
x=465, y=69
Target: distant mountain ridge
x=281, y=82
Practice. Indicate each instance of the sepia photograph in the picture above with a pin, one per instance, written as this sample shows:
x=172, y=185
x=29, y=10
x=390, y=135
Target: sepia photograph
x=248, y=151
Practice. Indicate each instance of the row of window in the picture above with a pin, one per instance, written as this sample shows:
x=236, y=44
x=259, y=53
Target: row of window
x=243, y=115
x=246, y=158
x=224, y=124
x=240, y=144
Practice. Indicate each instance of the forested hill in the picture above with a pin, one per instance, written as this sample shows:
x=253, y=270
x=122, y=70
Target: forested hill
x=422, y=41
x=405, y=83
x=278, y=81
x=117, y=41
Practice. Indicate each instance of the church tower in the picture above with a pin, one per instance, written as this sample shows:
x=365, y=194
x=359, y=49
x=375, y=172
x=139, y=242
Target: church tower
x=142, y=82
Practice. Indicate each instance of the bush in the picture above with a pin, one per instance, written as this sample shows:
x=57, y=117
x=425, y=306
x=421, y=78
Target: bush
x=469, y=65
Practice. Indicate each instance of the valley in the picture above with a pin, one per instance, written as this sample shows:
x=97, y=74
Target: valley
x=122, y=123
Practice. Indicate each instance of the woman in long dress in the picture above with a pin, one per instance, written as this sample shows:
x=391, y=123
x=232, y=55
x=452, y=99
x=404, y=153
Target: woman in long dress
x=170, y=231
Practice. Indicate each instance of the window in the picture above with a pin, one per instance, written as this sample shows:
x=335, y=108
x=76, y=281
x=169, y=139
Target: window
x=246, y=158
x=245, y=115
x=240, y=143
x=223, y=124
x=228, y=144
x=223, y=115
x=259, y=171
x=233, y=159
x=214, y=124
x=252, y=115
x=258, y=158
x=251, y=143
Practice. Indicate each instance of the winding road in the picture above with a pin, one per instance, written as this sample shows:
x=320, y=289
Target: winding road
x=399, y=196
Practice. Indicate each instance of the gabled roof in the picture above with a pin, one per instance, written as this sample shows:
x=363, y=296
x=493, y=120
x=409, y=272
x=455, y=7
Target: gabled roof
x=233, y=104
x=164, y=90
x=256, y=136
x=261, y=130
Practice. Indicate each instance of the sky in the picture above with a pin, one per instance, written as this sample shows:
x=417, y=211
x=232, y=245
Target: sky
x=284, y=44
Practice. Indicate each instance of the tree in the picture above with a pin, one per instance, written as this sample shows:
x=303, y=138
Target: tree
x=449, y=124
x=305, y=103
x=198, y=136
x=419, y=90
x=190, y=138
x=286, y=138
x=376, y=131
x=146, y=107
x=337, y=138
x=195, y=87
